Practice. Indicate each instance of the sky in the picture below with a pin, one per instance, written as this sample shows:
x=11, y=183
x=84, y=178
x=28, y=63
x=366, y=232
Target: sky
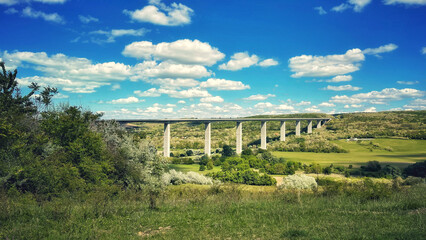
x=223, y=58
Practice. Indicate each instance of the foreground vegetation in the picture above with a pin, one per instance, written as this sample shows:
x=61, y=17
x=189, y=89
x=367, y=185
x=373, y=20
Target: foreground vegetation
x=234, y=212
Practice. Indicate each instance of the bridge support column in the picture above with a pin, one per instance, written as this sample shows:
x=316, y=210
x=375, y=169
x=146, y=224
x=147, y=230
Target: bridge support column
x=310, y=126
x=263, y=135
x=239, y=137
x=297, y=127
x=207, y=141
x=166, y=145
x=319, y=124
x=282, y=131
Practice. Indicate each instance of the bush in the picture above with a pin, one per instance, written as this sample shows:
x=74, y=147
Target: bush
x=298, y=181
x=416, y=170
x=176, y=178
x=202, y=168
x=189, y=153
x=227, y=151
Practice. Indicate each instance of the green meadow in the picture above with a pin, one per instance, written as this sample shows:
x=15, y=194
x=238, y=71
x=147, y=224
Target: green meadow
x=400, y=152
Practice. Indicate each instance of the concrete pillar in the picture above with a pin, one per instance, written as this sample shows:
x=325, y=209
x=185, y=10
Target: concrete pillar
x=310, y=126
x=297, y=127
x=207, y=143
x=263, y=135
x=239, y=137
x=319, y=124
x=166, y=145
x=282, y=131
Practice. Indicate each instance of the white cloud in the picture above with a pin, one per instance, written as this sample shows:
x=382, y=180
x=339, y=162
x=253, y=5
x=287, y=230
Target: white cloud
x=50, y=17
x=407, y=82
x=357, y=5
x=239, y=61
x=190, y=93
x=284, y=107
x=353, y=106
x=223, y=84
x=114, y=33
x=423, y=51
x=303, y=103
x=181, y=51
x=379, y=97
x=181, y=102
x=340, y=78
x=11, y=11
x=264, y=105
x=69, y=73
x=312, y=109
x=150, y=69
x=87, y=19
x=158, y=13
x=115, y=87
x=407, y=2
x=342, y=88
x=268, y=62
x=215, y=99
x=13, y=2
x=326, y=104
x=382, y=49
x=419, y=104
x=258, y=97
x=320, y=10
x=330, y=65
x=370, y=109
x=153, y=92
x=125, y=100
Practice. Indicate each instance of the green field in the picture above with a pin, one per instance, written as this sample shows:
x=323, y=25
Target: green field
x=403, y=153
x=192, y=168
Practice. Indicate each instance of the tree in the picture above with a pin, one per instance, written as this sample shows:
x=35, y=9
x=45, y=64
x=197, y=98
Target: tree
x=227, y=151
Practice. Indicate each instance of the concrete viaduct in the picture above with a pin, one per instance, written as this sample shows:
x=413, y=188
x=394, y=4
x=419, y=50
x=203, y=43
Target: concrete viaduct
x=239, y=134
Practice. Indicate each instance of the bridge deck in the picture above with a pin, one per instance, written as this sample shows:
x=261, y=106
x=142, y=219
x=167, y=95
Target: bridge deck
x=207, y=120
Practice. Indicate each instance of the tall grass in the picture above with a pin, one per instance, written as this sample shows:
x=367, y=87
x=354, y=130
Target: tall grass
x=215, y=212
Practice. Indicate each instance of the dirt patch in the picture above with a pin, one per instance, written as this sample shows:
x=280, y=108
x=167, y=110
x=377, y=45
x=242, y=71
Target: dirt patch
x=152, y=232
x=279, y=180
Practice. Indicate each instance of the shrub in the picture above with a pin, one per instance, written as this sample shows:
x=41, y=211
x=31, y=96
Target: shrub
x=189, y=152
x=298, y=181
x=176, y=178
x=416, y=170
x=210, y=165
x=227, y=151
x=202, y=168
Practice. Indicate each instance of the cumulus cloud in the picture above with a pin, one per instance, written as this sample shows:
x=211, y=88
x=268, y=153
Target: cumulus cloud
x=417, y=104
x=70, y=73
x=313, y=109
x=125, y=100
x=239, y=61
x=152, y=92
x=114, y=33
x=188, y=93
x=323, y=66
x=11, y=11
x=183, y=51
x=14, y=2
x=115, y=87
x=340, y=78
x=160, y=14
x=215, y=99
x=259, y=97
x=284, y=107
x=423, y=51
x=223, y=84
x=382, y=49
x=151, y=69
x=406, y=2
x=320, y=10
x=375, y=97
x=342, y=88
x=357, y=5
x=268, y=62
x=50, y=17
x=407, y=82
x=326, y=104
x=87, y=19
x=370, y=109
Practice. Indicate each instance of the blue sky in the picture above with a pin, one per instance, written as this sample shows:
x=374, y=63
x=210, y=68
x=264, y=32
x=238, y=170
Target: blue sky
x=222, y=58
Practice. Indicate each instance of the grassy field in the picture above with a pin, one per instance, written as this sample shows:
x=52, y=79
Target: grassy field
x=192, y=168
x=196, y=212
x=403, y=153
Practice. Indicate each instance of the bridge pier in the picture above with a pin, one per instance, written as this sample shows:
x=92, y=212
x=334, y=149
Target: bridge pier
x=282, y=131
x=297, y=127
x=263, y=134
x=319, y=124
x=310, y=126
x=207, y=141
x=166, y=145
x=239, y=137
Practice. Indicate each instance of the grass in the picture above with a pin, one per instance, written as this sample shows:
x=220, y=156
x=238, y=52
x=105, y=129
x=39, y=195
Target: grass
x=192, y=168
x=404, y=152
x=193, y=212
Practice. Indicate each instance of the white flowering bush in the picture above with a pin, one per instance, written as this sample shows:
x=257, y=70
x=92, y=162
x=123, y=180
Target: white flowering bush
x=298, y=181
x=176, y=178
